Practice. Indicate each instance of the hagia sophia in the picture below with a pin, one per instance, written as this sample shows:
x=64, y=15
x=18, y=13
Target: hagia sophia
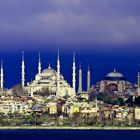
x=114, y=82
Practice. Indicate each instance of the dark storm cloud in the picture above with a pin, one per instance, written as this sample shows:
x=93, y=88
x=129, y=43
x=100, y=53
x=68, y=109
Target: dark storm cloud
x=69, y=22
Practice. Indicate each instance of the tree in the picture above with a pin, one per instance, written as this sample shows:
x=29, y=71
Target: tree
x=44, y=91
x=121, y=101
x=1, y=119
x=108, y=97
x=60, y=103
x=17, y=90
x=76, y=118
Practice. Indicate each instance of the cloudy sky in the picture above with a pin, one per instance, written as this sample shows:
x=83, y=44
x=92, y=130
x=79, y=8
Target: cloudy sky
x=69, y=24
x=109, y=31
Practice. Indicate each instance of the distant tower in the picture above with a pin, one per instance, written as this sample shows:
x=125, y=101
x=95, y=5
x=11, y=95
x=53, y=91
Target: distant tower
x=49, y=66
x=74, y=73
x=39, y=65
x=138, y=83
x=23, y=71
x=80, y=80
x=1, y=76
x=88, y=79
x=58, y=73
x=96, y=102
x=102, y=86
x=120, y=87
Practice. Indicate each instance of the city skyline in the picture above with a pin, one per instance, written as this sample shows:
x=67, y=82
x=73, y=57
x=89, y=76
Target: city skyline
x=96, y=63
x=104, y=34
x=69, y=64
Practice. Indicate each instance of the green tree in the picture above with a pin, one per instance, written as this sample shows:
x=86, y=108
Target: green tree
x=76, y=118
x=17, y=90
x=44, y=91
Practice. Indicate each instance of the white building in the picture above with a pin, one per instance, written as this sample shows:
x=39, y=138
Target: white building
x=10, y=106
x=53, y=80
x=137, y=113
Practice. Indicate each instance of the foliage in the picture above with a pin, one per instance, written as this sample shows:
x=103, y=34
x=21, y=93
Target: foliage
x=120, y=101
x=133, y=101
x=60, y=103
x=76, y=118
x=107, y=97
x=17, y=90
x=44, y=91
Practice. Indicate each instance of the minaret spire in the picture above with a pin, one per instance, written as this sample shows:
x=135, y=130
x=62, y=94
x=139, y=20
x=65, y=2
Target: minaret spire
x=58, y=56
x=1, y=76
x=23, y=71
x=80, y=79
x=39, y=64
x=49, y=66
x=138, y=89
x=74, y=73
x=88, y=79
x=58, y=72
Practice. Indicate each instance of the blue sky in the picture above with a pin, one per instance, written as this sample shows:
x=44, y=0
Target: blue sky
x=103, y=33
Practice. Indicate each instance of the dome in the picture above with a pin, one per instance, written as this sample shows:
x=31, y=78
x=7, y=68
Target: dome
x=48, y=75
x=49, y=70
x=114, y=76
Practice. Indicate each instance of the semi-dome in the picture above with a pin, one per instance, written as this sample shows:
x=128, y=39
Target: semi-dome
x=114, y=76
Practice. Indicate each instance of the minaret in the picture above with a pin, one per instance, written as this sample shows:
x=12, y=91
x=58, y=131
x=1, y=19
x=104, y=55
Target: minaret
x=49, y=66
x=96, y=102
x=74, y=73
x=39, y=65
x=23, y=71
x=1, y=76
x=138, y=90
x=58, y=72
x=88, y=79
x=80, y=80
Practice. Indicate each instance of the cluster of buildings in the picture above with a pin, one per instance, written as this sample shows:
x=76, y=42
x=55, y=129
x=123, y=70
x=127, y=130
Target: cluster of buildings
x=63, y=97
x=9, y=106
x=89, y=110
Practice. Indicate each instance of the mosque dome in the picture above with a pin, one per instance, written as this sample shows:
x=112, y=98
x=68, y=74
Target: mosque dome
x=48, y=78
x=49, y=74
x=48, y=71
x=114, y=76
